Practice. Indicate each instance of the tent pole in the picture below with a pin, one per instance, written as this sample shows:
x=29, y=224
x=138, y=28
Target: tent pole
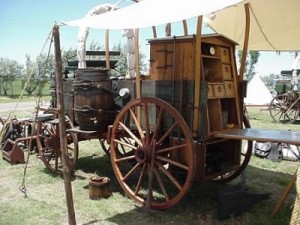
x=107, y=49
x=185, y=27
x=246, y=41
x=137, y=64
x=197, y=72
x=62, y=127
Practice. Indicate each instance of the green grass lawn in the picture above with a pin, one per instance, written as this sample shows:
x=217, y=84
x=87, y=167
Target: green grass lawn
x=45, y=202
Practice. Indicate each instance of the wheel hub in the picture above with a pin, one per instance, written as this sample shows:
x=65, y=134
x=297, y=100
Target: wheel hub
x=143, y=154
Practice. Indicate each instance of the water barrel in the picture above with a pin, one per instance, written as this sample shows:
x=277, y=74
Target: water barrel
x=93, y=99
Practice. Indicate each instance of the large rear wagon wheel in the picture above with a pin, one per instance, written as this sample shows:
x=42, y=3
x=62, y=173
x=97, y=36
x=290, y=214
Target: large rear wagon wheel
x=48, y=143
x=156, y=167
x=246, y=153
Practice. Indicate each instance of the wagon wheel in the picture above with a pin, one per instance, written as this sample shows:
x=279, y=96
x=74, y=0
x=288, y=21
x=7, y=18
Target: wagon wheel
x=120, y=149
x=282, y=107
x=292, y=111
x=48, y=143
x=245, y=158
x=157, y=168
x=104, y=145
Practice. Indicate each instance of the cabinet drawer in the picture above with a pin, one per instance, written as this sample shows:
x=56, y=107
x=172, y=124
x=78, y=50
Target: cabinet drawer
x=229, y=88
x=225, y=55
x=210, y=92
x=227, y=73
x=219, y=90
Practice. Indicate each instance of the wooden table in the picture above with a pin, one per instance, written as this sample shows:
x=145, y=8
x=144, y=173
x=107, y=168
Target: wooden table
x=261, y=135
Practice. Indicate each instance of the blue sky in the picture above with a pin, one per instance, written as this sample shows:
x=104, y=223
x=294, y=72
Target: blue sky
x=26, y=24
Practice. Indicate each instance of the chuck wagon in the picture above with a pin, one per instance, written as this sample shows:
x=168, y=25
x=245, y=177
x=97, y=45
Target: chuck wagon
x=285, y=105
x=182, y=124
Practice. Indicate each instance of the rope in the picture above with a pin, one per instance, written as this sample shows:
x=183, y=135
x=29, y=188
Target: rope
x=22, y=188
x=295, y=220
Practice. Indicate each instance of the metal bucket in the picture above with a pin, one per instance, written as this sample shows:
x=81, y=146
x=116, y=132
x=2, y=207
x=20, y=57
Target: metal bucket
x=93, y=99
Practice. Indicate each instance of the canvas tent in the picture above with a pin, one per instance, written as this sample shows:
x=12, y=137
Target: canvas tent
x=257, y=92
x=148, y=13
x=271, y=21
x=272, y=24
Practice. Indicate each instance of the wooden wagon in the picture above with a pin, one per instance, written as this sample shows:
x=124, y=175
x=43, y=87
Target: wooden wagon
x=182, y=124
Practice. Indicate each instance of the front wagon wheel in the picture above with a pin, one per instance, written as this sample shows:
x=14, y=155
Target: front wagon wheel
x=157, y=168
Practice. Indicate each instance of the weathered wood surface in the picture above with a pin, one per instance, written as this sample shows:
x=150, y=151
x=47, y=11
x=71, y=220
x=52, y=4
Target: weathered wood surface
x=280, y=136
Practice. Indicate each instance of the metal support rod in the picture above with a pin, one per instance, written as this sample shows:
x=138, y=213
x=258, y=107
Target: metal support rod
x=62, y=127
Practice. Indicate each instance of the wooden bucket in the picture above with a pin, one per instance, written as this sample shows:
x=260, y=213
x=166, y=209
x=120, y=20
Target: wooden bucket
x=93, y=99
x=99, y=187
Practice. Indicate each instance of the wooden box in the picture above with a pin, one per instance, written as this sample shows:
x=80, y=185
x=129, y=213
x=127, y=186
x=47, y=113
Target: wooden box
x=210, y=92
x=219, y=89
x=227, y=73
x=229, y=88
x=225, y=55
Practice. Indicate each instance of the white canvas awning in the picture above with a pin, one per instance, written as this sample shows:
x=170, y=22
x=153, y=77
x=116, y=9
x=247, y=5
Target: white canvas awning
x=273, y=24
x=149, y=13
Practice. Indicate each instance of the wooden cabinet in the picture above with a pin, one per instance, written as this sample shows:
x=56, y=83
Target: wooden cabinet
x=173, y=63
x=219, y=70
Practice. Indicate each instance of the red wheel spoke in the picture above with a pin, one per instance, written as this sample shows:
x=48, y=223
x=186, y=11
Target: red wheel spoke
x=125, y=143
x=138, y=186
x=167, y=133
x=170, y=149
x=158, y=124
x=161, y=184
x=126, y=158
x=131, y=134
x=170, y=176
x=173, y=162
x=147, y=123
x=137, y=124
x=133, y=169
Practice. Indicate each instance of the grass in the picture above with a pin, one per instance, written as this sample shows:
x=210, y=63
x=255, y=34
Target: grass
x=46, y=203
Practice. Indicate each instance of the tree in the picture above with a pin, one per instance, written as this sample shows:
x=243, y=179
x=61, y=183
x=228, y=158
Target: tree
x=251, y=60
x=122, y=65
x=9, y=70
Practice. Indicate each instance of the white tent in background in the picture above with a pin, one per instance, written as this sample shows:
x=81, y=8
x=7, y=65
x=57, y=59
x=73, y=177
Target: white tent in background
x=257, y=92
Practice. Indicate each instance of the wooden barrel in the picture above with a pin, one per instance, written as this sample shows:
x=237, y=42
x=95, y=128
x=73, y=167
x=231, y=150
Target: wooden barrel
x=99, y=187
x=93, y=99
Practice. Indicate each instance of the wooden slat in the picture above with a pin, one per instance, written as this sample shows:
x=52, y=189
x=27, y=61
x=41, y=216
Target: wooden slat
x=100, y=53
x=279, y=136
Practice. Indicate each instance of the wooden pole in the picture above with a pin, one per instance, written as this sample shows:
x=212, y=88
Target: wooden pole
x=197, y=72
x=62, y=127
x=137, y=64
x=185, y=27
x=107, y=49
x=246, y=41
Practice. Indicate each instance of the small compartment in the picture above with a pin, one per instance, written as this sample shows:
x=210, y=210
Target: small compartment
x=219, y=89
x=229, y=106
x=212, y=70
x=210, y=50
x=222, y=157
x=229, y=88
x=227, y=72
x=214, y=115
x=210, y=92
x=225, y=55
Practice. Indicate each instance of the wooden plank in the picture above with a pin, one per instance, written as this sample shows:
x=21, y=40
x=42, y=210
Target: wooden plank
x=111, y=53
x=279, y=136
x=197, y=72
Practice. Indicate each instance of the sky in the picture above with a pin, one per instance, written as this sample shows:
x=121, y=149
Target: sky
x=25, y=26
